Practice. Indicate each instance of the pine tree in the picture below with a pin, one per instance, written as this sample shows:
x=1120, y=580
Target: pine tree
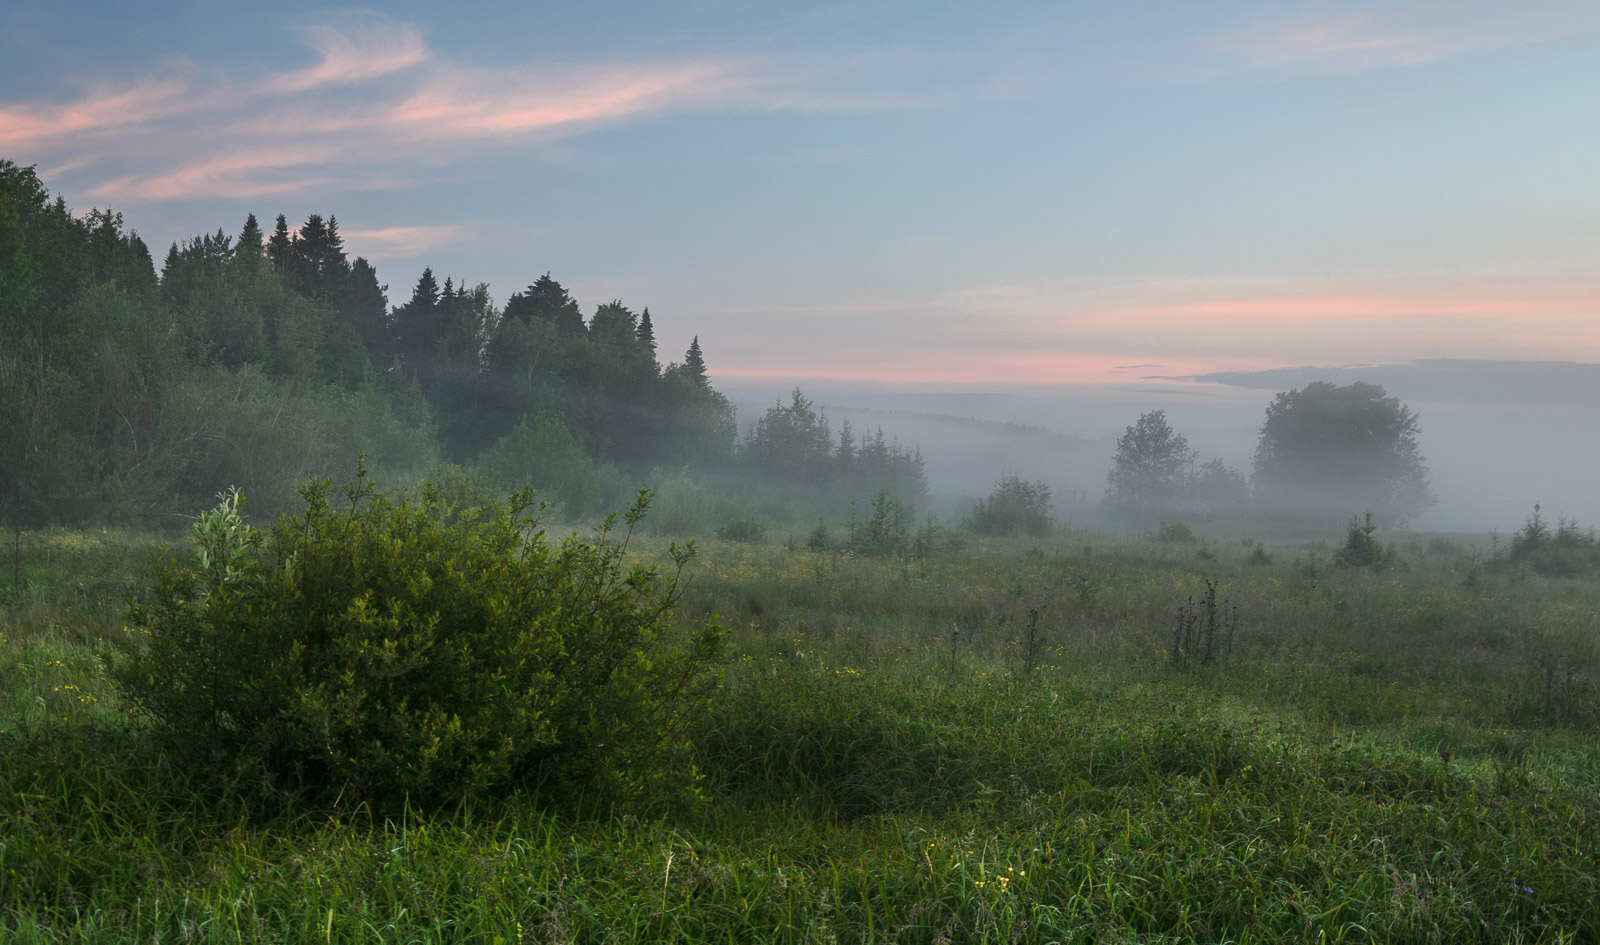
x=547, y=300
x=280, y=248
x=250, y=249
x=694, y=364
x=364, y=304
x=647, y=331
x=319, y=266
x=416, y=323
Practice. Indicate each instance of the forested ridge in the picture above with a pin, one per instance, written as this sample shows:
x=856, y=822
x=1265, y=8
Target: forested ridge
x=132, y=393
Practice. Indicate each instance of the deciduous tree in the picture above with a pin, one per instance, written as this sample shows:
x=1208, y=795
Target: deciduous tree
x=1328, y=452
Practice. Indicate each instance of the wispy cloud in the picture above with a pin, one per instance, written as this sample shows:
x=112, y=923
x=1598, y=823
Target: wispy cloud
x=1406, y=34
x=376, y=107
x=404, y=242
x=353, y=56
x=100, y=111
x=472, y=103
x=244, y=173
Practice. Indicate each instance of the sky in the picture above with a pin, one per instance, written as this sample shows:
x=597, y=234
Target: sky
x=914, y=196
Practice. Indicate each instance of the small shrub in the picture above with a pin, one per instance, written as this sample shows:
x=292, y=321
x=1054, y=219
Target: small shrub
x=392, y=652
x=1175, y=533
x=820, y=538
x=743, y=528
x=1015, y=508
x=933, y=540
x=1361, y=548
x=1259, y=556
x=885, y=533
x=1566, y=552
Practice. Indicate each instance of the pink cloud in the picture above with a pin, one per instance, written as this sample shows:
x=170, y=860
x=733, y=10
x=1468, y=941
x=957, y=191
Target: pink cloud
x=1322, y=308
x=1407, y=34
x=353, y=57
x=404, y=242
x=102, y=109
x=461, y=103
x=249, y=173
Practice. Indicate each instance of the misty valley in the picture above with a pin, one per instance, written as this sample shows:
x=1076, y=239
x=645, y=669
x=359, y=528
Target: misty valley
x=326, y=617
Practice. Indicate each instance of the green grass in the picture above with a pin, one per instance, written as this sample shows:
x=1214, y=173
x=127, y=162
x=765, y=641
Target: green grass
x=1390, y=757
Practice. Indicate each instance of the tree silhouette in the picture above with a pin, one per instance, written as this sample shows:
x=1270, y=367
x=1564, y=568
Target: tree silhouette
x=1328, y=453
x=1151, y=468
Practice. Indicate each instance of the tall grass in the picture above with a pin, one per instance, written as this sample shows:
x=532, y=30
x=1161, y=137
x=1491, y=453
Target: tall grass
x=1381, y=757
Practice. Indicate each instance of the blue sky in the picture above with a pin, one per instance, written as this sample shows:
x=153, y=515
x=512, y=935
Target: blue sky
x=917, y=195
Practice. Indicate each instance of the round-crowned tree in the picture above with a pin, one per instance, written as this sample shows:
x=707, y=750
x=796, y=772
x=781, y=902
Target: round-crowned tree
x=1328, y=452
x=1151, y=469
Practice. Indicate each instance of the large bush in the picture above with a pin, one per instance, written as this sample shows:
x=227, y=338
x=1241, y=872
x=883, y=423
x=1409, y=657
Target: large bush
x=397, y=648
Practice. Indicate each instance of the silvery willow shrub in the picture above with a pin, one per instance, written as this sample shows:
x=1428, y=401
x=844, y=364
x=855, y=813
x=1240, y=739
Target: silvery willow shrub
x=396, y=649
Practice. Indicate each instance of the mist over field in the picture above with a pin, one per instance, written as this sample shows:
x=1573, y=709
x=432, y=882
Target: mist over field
x=1498, y=436
x=820, y=472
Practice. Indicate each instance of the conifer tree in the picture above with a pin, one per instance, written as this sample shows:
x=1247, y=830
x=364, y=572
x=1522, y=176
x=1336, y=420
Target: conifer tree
x=694, y=364
x=364, y=304
x=280, y=248
x=647, y=331
x=416, y=323
x=250, y=248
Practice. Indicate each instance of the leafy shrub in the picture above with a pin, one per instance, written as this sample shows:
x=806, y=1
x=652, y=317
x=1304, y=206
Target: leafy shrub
x=682, y=506
x=1175, y=533
x=746, y=528
x=396, y=650
x=1014, y=508
x=542, y=451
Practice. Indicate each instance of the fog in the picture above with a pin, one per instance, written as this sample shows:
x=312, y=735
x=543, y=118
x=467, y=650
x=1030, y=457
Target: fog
x=1498, y=436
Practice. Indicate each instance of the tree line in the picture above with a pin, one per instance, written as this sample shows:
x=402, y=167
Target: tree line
x=131, y=393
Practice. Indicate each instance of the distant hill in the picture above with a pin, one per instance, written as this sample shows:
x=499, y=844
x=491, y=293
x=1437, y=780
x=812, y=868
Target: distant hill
x=1444, y=381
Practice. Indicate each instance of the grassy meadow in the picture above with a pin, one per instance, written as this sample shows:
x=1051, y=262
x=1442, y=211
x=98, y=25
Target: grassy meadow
x=1048, y=740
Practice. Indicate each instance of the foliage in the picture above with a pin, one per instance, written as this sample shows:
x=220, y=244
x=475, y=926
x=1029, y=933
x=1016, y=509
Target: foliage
x=123, y=397
x=1387, y=760
x=885, y=532
x=394, y=653
x=1151, y=468
x=1175, y=533
x=541, y=452
x=1325, y=450
x=1014, y=508
x=1565, y=552
x=1217, y=489
x=1361, y=548
x=792, y=447
x=821, y=538
x=742, y=528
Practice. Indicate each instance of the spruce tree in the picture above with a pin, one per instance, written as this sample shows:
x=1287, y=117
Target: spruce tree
x=647, y=331
x=694, y=364
x=280, y=248
x=546, y=299
x=249, y=249
x=415, y=323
